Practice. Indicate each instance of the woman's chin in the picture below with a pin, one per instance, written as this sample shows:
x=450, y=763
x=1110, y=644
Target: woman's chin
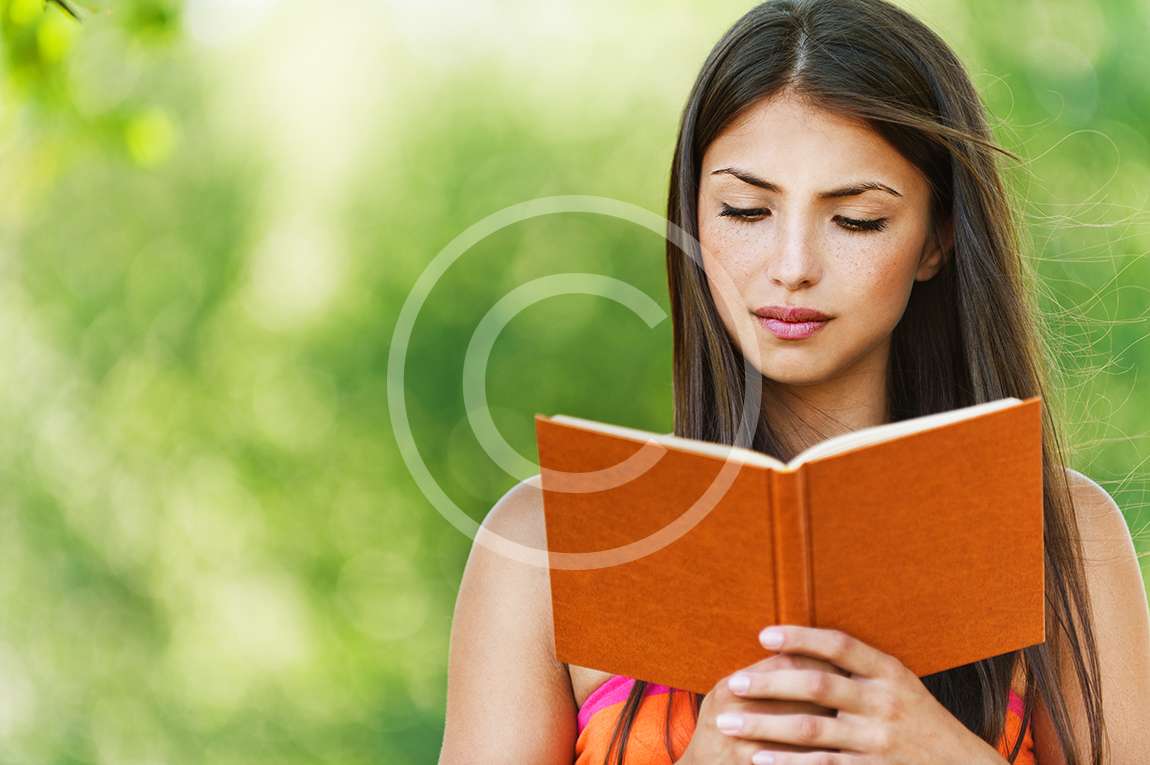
x=792, y=374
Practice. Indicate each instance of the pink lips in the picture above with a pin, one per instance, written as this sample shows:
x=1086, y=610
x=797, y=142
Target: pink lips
x=791, y=322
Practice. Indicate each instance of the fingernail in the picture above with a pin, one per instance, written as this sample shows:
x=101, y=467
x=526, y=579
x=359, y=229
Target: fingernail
x=763, y=758
x=771, y=637
x=739, y=683
x=729, y=722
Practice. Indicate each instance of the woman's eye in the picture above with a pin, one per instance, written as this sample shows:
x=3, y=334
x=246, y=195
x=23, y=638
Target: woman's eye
x=744, y=213
x=857, y=224
x=750, y=214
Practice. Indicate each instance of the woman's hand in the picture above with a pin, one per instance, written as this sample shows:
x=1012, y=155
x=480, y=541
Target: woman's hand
x=886, y=716
x=710, y=746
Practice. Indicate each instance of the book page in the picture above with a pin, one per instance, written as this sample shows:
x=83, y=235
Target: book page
x=736, y=453
x=833, y=445
x=889, y=430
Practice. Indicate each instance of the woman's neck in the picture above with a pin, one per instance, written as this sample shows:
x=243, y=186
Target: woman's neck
x=804, y=415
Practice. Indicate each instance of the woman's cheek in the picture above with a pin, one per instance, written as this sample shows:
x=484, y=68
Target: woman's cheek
x=878, y=282
x=729, y=266
x=726, y=289
x=738, y=265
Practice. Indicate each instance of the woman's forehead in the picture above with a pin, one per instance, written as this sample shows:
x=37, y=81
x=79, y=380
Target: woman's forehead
x=805, y=149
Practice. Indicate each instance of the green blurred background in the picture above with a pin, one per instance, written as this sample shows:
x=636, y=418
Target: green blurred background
x=212, y=213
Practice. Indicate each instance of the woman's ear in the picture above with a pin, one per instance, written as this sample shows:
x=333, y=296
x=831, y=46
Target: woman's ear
x=938, y=249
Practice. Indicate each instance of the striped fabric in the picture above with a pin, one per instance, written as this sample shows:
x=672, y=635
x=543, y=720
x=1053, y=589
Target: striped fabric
x=598, y=715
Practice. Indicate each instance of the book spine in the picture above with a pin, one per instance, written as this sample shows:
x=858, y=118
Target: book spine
x=794, y=587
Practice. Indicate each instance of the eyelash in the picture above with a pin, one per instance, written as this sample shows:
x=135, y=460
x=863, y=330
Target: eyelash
x=860, y=226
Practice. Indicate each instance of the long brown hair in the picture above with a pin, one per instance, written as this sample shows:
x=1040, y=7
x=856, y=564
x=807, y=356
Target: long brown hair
x=968, y=335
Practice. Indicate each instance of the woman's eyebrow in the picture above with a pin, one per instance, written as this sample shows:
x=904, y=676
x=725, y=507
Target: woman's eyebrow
x=853, y=189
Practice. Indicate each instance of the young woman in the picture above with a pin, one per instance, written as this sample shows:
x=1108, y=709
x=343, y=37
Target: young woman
x=835, y=165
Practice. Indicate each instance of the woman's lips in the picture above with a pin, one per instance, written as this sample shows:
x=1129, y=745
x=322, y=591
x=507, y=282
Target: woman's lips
x=791, y=330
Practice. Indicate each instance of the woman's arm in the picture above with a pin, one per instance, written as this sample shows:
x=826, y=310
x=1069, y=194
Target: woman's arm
x=1122, y=630
x=508, y=699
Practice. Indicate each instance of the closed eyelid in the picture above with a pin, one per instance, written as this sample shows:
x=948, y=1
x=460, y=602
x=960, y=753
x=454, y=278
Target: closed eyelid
x=856, y=224
x=845, y=213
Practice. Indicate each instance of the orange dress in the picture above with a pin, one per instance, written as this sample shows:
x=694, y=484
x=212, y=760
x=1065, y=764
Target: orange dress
x=645, y=746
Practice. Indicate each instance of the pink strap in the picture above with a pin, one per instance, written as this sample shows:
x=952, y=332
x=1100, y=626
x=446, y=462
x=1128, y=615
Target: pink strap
x=613, y=691
x=1015, y=703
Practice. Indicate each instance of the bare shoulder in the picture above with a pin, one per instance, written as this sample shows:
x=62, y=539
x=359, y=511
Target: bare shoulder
x=1118, y=605
x=1086, y=489
x=508, y=699
x=518, y=515
x=1102, y=525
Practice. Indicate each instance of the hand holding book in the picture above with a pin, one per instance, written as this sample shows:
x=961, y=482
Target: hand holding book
x=859, y=700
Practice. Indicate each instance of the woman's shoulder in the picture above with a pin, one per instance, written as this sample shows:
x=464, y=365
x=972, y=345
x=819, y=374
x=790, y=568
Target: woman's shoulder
x=1090, y=499
x=518, y=515
x=1101, y=525
x=501, y=648
x=509, y=556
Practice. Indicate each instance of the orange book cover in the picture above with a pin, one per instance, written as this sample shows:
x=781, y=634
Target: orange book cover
x=924, y=538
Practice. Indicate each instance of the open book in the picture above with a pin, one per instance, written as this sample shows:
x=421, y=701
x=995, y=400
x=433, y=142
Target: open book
x=924, y=538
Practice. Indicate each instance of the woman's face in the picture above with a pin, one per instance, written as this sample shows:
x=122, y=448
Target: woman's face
x=767, y=219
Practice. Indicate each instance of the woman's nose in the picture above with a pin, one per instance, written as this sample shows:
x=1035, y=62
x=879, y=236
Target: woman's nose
x=794, y=262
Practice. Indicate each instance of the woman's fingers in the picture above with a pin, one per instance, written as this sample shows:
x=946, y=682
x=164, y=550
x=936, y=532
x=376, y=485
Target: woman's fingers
x=827, y=689
x=793, y=661
x=837, y=647
x=815, y=731
x=733, y=702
